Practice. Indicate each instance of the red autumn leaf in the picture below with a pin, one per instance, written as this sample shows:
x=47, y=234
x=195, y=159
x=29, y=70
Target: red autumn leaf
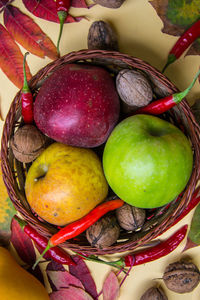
x=27, y=33
x=46, y=10
x=82, y=272
x=11, y=59
x=3, y=2
x=111, y=287
x=79, y=3
x=59, y=278
x=24, y=248
x=22, y=243
x=71, y=293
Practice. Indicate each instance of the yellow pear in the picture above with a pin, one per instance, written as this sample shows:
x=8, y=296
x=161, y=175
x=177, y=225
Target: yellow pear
x=16, y=283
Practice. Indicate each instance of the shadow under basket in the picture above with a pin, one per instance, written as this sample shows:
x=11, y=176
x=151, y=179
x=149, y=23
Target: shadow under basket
x=159, y=220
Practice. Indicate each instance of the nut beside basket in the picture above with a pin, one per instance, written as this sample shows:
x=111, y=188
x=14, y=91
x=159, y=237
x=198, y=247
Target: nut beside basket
x=14, y=172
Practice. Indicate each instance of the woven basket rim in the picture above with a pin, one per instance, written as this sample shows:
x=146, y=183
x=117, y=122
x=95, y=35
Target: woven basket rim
x=12, y=119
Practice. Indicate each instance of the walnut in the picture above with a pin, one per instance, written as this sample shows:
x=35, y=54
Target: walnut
x=110, y=3
x=102, y=36
x=133, y=88
x=27, y=143
x=181, y=277
x=103, y=233
x=130, y=217
x=154, y=293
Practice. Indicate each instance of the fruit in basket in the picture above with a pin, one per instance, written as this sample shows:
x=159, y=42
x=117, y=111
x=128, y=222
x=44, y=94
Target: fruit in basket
x=64, y=183
x=147, y=161
x=16, y=283
x=77, y=105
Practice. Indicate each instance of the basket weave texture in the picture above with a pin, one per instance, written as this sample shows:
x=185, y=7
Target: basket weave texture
x=14, y=172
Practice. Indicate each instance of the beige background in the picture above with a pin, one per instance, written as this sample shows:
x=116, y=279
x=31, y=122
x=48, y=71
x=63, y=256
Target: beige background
x=139, y=31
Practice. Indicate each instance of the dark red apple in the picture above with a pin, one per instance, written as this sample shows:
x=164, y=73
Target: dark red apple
x=77, y=105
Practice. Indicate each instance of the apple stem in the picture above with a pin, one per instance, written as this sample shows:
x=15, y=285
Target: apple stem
x=49, y=246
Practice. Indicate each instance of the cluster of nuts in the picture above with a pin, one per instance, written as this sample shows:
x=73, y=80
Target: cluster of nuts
x=106, y=231
x=135, y=88
x=180, y=277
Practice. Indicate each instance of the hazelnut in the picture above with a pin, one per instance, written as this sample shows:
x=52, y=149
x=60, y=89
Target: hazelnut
x=133, y=88
x=103, y=233
x=27, y=143
x=181, y=277
x=130, y=217
x=102, y=36
x=110, y=3
x=154, y=293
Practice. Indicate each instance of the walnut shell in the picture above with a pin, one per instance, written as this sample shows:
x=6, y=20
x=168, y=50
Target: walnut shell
x=130, y=217
x=102, y=36
x=154, y=293
x=27, y=143
x=103, y=233
x=181, y=277
x=110, y=3
x=133, y=88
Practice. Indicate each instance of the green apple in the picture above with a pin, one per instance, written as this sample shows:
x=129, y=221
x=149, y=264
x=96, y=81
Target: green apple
x=64, y=183
x=147, y=161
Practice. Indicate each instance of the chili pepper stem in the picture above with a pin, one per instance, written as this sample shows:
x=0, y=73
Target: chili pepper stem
x=62, y=15
x=179, y=96
x=25, y=88
x=170, y=60
x=119, y=264
x=49, y=246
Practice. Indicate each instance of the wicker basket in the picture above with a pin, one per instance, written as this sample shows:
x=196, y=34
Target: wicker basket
x=160, y=219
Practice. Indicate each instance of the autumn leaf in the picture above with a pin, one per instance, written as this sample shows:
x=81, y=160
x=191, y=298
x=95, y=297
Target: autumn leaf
x=177, y=17
x=7, y=211
x=3, y=3
x=70, y=293
x=22, y=243
x=11, y=59
x=79, y=3
x=111, y=287
x=60, y=278
x=82, y=272
x=46, y=10
x=28, y=34
x=193, y=238
x=25, y=250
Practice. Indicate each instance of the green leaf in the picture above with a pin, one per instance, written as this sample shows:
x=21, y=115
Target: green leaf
x=183, y=12
x=194, y=233
x=177, y=16
x=7, y=211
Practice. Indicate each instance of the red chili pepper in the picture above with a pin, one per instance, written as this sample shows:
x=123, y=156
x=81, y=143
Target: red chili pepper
x=62, y=7
x=26, y=98
x=56, y=254
x=160, y=106
x=77, y=227
x=184, y=41
x=158, y=251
